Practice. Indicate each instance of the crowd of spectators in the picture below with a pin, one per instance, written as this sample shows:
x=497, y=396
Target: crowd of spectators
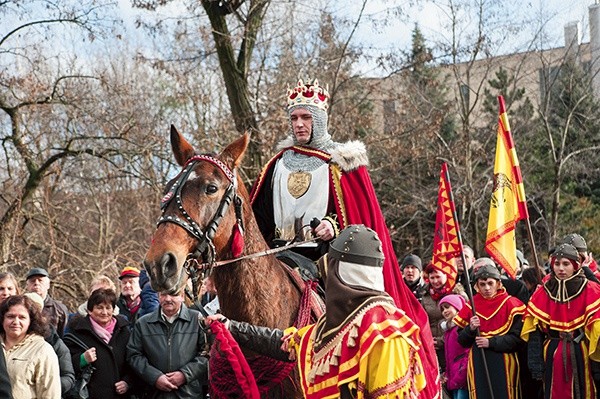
x=47, y=350
x=140, y=343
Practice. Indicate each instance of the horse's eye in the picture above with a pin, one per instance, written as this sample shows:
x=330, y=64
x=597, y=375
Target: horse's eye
x=211, y=189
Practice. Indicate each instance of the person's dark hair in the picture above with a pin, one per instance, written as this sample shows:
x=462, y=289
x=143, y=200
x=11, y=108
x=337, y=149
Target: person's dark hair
x=37, y=325
x=532, y=276
x=429, y=268
x=102, y=295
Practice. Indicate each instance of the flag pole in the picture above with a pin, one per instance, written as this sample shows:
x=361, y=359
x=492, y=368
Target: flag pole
x=466, y=274
x=533, y=250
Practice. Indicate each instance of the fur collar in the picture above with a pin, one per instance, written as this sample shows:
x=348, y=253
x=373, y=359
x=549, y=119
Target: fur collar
x=349, y=155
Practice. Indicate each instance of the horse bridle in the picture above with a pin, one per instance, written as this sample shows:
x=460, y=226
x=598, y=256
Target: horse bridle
x=203, y=255
x=204, y=251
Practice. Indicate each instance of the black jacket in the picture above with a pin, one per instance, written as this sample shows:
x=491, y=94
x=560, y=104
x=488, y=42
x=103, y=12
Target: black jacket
x=111, y=365
x=263, y=340
x=67, y=374
x=5, y=388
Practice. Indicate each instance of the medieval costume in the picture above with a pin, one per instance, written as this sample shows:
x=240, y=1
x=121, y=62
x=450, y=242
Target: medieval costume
x=289, y=194
x=562, y=320
x=363, y=346
x=501, y=321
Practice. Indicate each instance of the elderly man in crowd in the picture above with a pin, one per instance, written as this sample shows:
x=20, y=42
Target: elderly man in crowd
x=164, y=350
x=38, y=281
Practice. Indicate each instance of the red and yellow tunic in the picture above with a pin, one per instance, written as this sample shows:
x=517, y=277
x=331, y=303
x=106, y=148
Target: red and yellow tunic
x=570, y=329
x=501, y=321
x=375, y=355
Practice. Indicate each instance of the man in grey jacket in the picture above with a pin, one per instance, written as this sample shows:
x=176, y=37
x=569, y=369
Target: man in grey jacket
x=165, y=350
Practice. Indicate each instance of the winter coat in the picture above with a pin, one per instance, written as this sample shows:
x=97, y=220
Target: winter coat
x=148, y=295
x=33, y=369
x=67, y=374
x=57, y=313
x=418, y=288
x=435, y=316
x=457, y=359
x=111, y=365
x=5, y=388
x=157, y=347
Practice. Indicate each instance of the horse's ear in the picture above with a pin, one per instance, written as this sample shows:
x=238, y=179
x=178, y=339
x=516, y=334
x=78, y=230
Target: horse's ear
x=232, y=155
x=181, y=148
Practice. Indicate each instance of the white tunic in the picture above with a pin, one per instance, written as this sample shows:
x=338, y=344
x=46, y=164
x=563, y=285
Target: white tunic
x=288, y=211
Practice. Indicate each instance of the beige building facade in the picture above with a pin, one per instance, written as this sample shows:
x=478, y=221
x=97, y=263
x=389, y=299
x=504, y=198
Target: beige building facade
x=535, y=71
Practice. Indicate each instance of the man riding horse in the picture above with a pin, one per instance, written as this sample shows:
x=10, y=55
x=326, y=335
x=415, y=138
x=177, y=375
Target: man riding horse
x=290, y=192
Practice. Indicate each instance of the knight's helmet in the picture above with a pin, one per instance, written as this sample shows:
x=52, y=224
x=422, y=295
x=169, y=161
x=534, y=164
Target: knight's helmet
x=358, y=244
x=359, y=256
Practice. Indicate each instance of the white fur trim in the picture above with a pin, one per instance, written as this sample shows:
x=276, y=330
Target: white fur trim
x=350, y=155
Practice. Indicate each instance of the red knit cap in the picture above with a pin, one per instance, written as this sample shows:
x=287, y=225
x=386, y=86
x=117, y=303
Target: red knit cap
x=129, y=271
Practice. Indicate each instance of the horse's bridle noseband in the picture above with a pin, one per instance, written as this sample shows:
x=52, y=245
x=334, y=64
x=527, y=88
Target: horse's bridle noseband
x=205, y=249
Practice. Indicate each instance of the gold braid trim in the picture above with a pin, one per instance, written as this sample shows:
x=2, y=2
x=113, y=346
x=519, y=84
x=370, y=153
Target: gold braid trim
x=336, y=176
x=334, y=223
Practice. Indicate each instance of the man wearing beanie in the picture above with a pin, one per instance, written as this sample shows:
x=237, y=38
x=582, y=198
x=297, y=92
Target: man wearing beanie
x=313, y=177
x=363, y=345
x=130, y=301
x=411, y=272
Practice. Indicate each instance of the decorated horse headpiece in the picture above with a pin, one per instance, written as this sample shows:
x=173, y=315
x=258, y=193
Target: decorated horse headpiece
x=205, y=248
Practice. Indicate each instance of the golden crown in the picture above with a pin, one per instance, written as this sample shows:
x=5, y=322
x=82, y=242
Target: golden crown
x=308, y=94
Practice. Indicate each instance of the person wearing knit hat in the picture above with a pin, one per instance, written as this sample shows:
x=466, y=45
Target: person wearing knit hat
x=315, y=186
x=129, y=271
x=362, y=343
x=412, y=260
x=514, y=288
x=456, y=356
x=564, y=317
x=411, y=272
x=494, y=332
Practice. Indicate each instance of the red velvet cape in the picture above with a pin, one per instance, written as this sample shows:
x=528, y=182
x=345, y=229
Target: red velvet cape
x=356, y=203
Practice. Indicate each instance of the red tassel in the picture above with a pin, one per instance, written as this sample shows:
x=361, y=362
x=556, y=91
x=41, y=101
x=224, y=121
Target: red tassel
x=237, y=242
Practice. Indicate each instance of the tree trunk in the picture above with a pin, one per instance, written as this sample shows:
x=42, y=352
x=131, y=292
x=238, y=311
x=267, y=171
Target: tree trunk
x=235, y=72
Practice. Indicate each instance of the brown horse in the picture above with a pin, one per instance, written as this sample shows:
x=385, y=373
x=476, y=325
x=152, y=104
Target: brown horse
x=197, y=223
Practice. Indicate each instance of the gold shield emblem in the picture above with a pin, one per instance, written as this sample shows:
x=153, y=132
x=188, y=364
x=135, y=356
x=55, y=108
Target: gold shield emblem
x=298, y=183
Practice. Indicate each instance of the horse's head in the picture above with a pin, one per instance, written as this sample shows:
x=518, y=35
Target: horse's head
x=197, y=221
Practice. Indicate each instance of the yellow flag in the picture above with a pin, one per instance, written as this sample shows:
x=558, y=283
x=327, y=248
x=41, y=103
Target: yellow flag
x=508, y=204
